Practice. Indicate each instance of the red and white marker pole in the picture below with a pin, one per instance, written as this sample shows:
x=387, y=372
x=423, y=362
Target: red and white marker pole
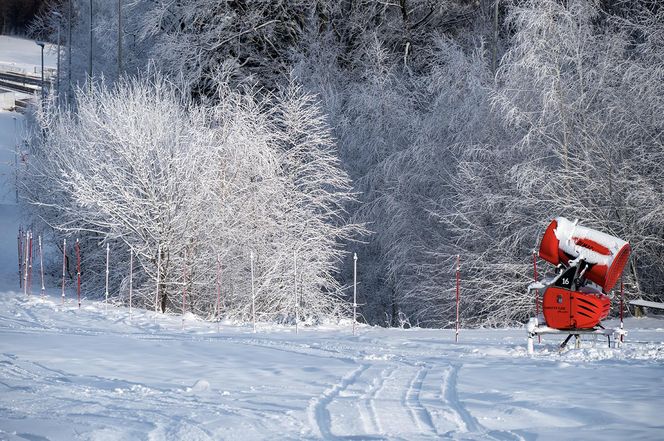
x=20, y=257
x=218, y=293
x=25, y=263
x=184, y=289
x=537, y=301
x=131, y=278
x=78, y=273
x=30, y=263
x=41, y=268
x=64, y=262
x=458, y=296
x=622, y=337
x=108, y=255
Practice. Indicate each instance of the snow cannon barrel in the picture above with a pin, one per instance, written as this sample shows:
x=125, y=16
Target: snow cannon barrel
x=606, y=255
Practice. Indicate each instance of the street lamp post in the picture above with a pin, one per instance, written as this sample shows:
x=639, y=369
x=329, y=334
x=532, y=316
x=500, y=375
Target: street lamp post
x=41, y=44
x=57, y=87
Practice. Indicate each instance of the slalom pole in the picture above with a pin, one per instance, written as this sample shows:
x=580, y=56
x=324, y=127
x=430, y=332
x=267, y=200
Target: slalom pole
x=621, y=308
x=537, y=301
x=354, y=292
x=64, y=260
x=30, y=265
x=131, y=277
x=458, y=295
x=253, y=292
x=156, y=297
x=78, y=273
x=41, y=268
x=218, y=293
x=184, y=289
x=108, y=253
x=20, y=257
x=25, y=263
x=297, y=310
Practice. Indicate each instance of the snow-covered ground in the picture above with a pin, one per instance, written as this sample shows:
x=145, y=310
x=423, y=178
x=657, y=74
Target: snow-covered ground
x=97, y=374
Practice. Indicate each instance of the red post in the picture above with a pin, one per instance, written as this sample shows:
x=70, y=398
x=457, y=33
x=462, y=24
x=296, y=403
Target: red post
x=30, y=263
x=64, y=260
x=218, y=292
x=184, y=288
x=621, y=307
x=537, y=301
x=78, y=273
x=458, y=294
x=20, y=258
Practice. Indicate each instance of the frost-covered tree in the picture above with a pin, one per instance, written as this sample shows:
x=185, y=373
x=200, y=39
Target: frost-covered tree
x=189, y=187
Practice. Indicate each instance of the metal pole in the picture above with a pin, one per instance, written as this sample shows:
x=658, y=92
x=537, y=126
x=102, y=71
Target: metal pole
x=90, y=54
x=108, y=253
x=621, y=307
x=354, y=291
x=26, y=263
x=297, y=310
x=458, y=295
x=119, y=38
x=537, y=299
x=131, y=277
x=16, y=156
x=78, y=273
x=43, y=95
x=41, y=268
x=57, y=88
x=253, y=293
x=184, y=288
x=218, y=293
x=19, y=239
x=64, y=260
x=69, y=49
x=156, y=297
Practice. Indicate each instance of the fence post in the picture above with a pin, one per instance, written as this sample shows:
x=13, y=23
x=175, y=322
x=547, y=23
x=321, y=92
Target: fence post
x=458, y=296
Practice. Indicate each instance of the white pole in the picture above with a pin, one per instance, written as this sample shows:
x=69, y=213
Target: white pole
x=108, y=254
x=297, y=306
x=41, y=267
x=16, y=157
x=354, y=291
x=253, y=293
x=131, y=277
x=64, y=259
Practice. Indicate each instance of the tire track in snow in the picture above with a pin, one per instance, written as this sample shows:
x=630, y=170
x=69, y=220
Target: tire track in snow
x=369, y=400
x=419, y=414
x=468, y=424
x=319, y=416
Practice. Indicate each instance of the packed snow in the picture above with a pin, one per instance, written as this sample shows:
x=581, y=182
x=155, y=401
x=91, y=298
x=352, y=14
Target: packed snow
x=102, y=372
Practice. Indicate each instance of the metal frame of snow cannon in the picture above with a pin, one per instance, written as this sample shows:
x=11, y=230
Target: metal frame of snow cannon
x=588, y=265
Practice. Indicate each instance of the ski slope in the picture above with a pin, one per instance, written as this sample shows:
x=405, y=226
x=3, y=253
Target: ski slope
x=101, y=373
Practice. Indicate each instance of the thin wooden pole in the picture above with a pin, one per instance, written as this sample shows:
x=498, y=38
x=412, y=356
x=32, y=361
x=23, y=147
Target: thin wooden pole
x=156, y=297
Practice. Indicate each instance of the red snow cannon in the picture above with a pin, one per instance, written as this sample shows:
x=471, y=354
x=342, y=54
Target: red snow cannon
x=589, y=263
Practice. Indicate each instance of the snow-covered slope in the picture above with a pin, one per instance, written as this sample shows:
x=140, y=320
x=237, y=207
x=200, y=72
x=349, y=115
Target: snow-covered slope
x=97, y=374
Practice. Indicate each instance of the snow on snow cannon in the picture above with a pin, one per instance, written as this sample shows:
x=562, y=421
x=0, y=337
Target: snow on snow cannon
x=589, y=265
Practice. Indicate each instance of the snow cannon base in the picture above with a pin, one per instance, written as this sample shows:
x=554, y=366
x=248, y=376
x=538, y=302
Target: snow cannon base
x=535, y=329
x=565, y=309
